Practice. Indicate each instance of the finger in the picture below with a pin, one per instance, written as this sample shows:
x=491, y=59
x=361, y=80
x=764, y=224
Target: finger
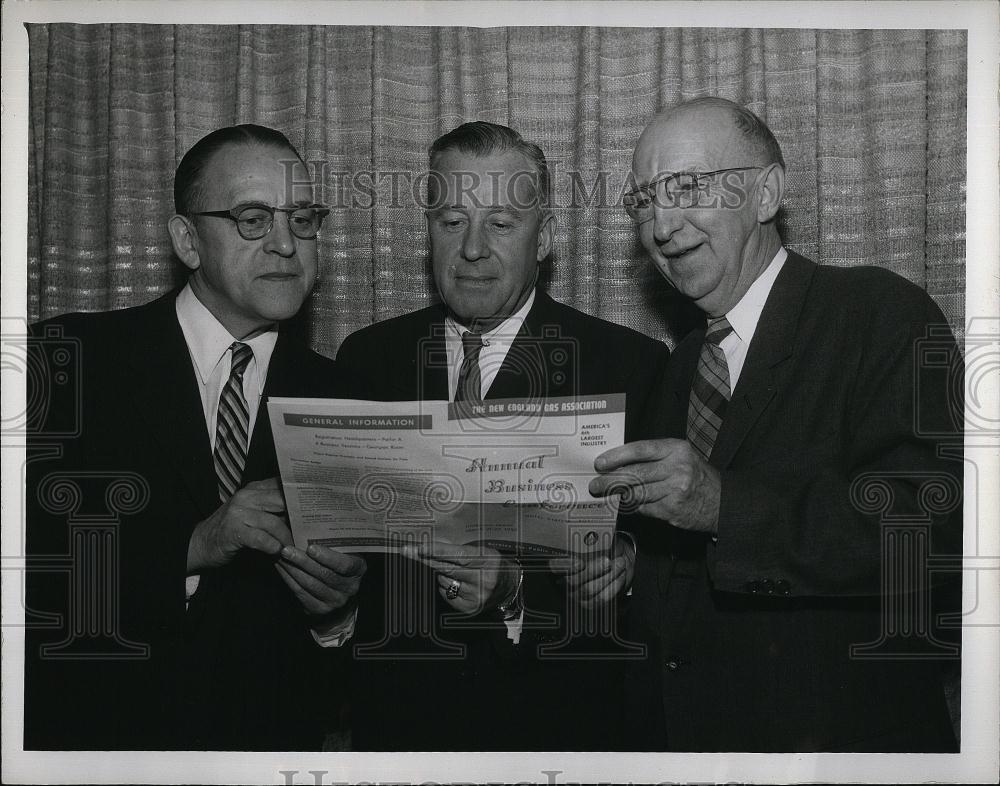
x=248, y=537
x=274, y=526
x=457, y=602
x=621, y=481
x=264, y=485
x=609, y=592
x=331, y=578
x=444, y=582
x=449, y=552
x=593, y=569
x=449, y=571
x=338, y=561
x=460, y=602
x=566, y=565
x=268, y=500
x=592, y=588
x=310, y=604
x=634, y=453
x=312, y=587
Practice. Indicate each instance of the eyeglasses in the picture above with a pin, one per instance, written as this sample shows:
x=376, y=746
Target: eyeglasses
x=254, y=221
x=685, y=189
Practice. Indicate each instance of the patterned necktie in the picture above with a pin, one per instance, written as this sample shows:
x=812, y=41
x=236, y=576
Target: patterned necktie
x=469, y=387
x=232, y=425
x=710, y=390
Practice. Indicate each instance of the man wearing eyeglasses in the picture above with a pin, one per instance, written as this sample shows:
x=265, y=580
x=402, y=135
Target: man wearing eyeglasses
x=214, y=618
x=779, y=609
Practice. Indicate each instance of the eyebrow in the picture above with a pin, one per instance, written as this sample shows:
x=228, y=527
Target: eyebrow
x=297, y=204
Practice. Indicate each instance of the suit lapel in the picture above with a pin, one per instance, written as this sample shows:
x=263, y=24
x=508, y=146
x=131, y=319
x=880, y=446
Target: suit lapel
x=281, y=372
x=772, y=344
x=422, y=373
x=430, y=366
x=525, y=371
x=167, y=400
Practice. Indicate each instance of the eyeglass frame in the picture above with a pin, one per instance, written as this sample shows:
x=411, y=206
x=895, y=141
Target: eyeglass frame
x=650, y=188
x=322, y=211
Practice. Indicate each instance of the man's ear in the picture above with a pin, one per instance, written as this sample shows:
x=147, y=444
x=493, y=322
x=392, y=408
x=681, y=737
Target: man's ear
x=184, y=241
x=546, y=233
x=771, y=191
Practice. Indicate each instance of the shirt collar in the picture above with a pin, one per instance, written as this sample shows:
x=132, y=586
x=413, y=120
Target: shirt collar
x=745, y=315
x=505, y=332
x=208, y=341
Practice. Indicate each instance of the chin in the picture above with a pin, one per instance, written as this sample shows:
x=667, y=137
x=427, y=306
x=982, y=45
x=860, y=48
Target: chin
x=279, y=311
x=466, y=311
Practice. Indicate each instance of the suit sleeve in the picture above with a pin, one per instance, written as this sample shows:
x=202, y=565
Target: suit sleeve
x=825, y=524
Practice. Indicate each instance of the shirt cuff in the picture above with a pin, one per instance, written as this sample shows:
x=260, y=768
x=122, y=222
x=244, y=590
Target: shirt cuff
x=336, y=634
x=190, y=587
x=514, y=626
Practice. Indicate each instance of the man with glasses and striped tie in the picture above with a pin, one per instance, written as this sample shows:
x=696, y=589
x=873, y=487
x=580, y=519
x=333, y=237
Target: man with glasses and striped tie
x=759, y=581
x=216, y=619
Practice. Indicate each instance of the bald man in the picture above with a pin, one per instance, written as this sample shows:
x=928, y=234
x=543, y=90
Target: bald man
x=787, y=462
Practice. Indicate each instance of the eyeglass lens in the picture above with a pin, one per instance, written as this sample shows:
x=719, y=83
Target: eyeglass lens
x=255, y=222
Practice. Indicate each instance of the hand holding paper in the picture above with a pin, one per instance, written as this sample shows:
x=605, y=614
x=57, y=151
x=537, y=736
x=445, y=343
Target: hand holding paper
x=323, y=580
x=666, y=479
x=484, y=578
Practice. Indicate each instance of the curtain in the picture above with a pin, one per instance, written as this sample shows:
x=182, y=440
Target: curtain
x=871, y=122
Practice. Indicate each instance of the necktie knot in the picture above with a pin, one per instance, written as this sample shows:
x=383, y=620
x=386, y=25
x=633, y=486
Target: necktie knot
x=472, y=343
x=717, y=330
x=242, y=353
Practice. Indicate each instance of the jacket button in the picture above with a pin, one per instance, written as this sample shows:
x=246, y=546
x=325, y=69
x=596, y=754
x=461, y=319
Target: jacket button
x=672, y=665
x=783, y=587
x=767, y=586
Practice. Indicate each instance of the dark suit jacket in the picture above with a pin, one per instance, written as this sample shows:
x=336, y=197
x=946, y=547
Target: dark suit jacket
x=231, y=672
x=827, y=453
x=492, y=690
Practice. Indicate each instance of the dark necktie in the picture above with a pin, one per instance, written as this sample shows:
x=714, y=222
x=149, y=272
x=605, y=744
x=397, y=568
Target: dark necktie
x=469, y=388
x=232, y=425
x=710, y=390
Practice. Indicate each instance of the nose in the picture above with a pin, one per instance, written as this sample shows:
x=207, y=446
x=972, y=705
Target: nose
x=474, y=244
x=280, y=239
x=666, y=221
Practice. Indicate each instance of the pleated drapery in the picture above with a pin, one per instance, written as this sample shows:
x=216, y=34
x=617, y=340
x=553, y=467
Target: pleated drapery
x=872, y=124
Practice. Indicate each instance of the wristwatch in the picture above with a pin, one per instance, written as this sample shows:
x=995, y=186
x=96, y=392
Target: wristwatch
x=512, y=607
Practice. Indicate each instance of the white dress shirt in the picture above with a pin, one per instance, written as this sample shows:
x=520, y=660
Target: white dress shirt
x=745, y=315
x=496, y=344
x=208, y=343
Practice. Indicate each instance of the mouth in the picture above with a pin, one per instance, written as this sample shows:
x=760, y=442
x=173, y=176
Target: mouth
x=279, y=276
x=679, y=256
x=474, y=281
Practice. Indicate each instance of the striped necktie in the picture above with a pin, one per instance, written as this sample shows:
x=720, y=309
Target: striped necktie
x=232, y=425
x=710, y=390
x=470, y=384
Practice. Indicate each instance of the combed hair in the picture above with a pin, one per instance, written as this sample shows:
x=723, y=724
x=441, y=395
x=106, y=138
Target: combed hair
x=480, y=138
x=188, y=189
x=753, y=129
